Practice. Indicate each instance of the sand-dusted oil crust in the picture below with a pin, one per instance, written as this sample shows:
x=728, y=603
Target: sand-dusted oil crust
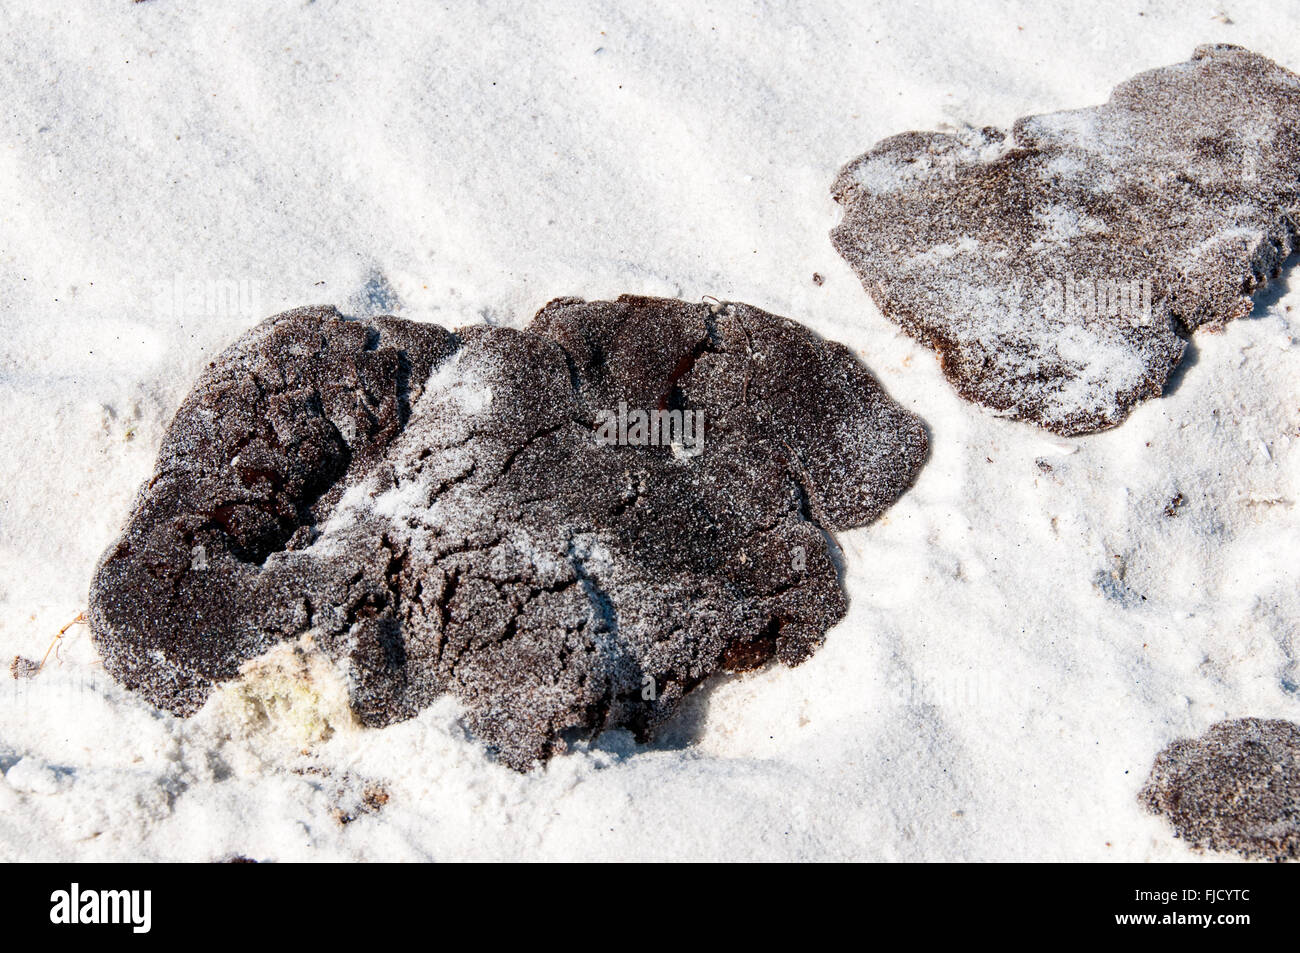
x=1237, y=787
x=1058, y=270
x=436, y=511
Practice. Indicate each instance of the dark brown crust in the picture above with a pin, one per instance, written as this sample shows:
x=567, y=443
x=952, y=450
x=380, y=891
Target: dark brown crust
x=342, y=481
x=1187, y=180
x=1236, y=788
x=260, y=451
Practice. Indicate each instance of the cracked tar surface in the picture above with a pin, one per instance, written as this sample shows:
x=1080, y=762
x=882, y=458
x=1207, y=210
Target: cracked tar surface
x=1057, y=271
x=435, y=510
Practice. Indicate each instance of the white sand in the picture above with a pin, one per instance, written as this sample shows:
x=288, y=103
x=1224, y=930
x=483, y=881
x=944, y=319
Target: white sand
x=1020, y=641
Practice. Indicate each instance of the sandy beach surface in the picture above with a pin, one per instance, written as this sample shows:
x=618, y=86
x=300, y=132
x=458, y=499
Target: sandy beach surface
x=1028, y=626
